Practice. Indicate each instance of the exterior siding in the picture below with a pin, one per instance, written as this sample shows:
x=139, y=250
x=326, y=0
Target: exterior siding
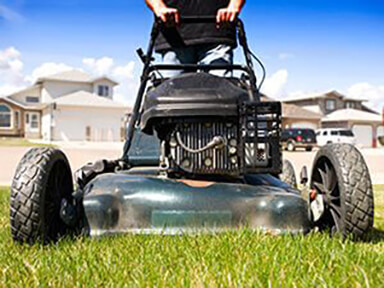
x=21, y=97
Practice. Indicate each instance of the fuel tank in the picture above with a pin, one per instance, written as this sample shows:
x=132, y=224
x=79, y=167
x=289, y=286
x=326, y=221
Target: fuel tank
x=121, y=203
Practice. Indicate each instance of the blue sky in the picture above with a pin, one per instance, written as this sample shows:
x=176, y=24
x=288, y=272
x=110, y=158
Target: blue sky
x=307, y=45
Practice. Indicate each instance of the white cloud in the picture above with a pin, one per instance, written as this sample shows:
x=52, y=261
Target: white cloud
x=274, y=85
x=100, y=66
x=46, y=69
x=9, y=14
x=373, y=93
x=13, y=78
x=11, y=71
x=124, y=75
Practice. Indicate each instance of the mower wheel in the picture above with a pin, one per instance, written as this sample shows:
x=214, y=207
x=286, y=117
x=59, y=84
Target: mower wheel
x=42, y=180
x=309, y=149
x=288, y=175
x=341, y=178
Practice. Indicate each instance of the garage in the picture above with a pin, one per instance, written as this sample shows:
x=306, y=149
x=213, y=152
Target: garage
x=100, y=125
x=363, y=134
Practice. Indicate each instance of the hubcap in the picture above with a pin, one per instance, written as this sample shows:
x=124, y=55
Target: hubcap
x=326, y=184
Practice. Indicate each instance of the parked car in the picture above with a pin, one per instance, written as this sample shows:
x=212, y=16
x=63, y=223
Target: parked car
x=293, y=138
x=335, y=135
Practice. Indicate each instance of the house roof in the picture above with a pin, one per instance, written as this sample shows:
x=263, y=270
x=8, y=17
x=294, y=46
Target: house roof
x=86, y=99
x=296, y=112
x=352, y=115
x=322, y=95
x=26, y=106
x=74, y=76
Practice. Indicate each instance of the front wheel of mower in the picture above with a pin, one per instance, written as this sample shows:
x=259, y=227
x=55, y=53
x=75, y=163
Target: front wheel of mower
x=42, y=180
x=340, y=175
x=288, y=175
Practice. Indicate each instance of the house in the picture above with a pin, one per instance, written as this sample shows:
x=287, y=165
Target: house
x=69, y=106
x=366, y=126
x=294, y=116
x=329, y=102
x=340, y=111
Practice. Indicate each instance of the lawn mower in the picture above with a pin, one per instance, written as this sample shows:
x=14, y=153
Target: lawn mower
x=202, y=154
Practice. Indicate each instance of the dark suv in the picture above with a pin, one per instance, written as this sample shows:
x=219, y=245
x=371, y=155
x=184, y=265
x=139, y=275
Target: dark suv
x=293, y=138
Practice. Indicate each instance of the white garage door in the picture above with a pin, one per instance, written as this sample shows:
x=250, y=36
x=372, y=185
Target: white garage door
x=304, y=125
x=380, y=132
x=87, y=125
x=363, y=134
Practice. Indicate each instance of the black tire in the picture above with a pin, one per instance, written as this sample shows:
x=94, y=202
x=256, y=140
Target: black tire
x=291, y=146
x=341, y=174
x=288, y=175
x=42, y=179
x=309, y=149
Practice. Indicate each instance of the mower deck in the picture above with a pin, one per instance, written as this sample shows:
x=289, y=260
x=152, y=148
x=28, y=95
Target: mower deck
x=117, y=203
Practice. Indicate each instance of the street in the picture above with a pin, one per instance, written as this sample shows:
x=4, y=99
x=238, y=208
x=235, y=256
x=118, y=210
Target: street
x=80, y=154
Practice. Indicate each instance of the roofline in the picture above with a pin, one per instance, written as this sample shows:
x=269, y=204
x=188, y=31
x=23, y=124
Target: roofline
x=41, y=80
x=107, y=78
x=7, y=99
x=101, y=107
x=25, y=89
x=323, y=95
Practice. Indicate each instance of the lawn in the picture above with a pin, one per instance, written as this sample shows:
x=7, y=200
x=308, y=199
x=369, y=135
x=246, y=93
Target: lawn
x=237, y=259
x=20, y=142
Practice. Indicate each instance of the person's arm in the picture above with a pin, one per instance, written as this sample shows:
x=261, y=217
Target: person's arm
x=161, y=10
x=230, y=13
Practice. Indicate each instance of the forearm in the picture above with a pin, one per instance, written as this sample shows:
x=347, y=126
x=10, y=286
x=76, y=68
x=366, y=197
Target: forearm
x=236, y=4
x=155, y=5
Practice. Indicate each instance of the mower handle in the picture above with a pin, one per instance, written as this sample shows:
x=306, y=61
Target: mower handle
x=197, y=19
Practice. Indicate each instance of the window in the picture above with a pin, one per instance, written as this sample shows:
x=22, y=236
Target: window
x=350, y=105
x=34, y=121
x=334, y=133
x=103, y=90
x=5, y=116
x=325, y=133
x=17, y=119
x=32, y=99
x=330, y=104
x=347, y=133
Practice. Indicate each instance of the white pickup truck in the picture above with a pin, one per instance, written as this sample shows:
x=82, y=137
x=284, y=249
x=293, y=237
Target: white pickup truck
x=335, y=135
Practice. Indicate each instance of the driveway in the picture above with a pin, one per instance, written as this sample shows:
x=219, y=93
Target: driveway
x=81, y=153
x=77, y=156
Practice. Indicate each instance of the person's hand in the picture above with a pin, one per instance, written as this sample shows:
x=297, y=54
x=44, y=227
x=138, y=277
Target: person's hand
x=168, y=15
x=226, y=15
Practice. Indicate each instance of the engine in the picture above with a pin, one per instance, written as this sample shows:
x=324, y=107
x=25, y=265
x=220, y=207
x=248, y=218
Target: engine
x=213, y=130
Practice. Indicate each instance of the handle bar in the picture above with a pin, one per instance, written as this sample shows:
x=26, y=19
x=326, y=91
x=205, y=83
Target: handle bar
x=198, y=19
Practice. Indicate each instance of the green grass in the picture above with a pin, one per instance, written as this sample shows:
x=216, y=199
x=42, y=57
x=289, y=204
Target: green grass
x=237, y=259
x=20, y=142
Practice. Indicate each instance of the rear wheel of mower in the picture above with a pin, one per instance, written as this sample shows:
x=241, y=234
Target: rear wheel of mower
x=42, y=180
x=341, y=176
x=288, y=175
